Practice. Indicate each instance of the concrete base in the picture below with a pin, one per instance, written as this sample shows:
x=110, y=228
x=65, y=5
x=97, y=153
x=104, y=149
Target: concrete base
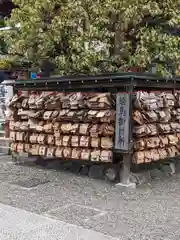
x=4, y=150
x=4, y=145
x=127, y=185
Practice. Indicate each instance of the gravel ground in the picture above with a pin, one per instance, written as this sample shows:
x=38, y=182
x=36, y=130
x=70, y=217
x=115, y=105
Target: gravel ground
x=151, y=211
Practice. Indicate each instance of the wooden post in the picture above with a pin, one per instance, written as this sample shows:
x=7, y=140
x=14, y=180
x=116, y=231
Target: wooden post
x=123, y=139
x=125, y=173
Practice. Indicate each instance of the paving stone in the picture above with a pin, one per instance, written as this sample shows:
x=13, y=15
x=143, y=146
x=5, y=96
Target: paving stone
x=140, y=178
x=157, y=173
x=84, y=170
x=17, y=224
x=96, y=171
x=168, y=168
x=29, y=183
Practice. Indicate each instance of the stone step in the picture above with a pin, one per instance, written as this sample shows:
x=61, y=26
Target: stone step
x=4, y=145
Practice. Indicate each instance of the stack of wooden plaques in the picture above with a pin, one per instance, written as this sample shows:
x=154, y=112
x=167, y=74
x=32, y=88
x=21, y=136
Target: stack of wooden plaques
x=68, y=126
x=156, y=129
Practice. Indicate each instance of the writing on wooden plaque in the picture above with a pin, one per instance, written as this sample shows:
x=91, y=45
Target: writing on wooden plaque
x=122, y=122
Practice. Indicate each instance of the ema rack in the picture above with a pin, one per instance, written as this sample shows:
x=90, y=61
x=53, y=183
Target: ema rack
x=126, y=131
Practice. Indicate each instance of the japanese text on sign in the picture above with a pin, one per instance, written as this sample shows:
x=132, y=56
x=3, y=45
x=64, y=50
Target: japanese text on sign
x=122, y=122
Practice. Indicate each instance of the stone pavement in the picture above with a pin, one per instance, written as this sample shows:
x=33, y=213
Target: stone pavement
x=20, y=224
x=84, y=207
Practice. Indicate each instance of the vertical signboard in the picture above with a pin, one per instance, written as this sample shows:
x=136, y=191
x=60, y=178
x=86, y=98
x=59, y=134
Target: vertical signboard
x=6, y=92
x=122, y=122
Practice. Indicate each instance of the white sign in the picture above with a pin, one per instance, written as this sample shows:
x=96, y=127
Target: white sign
x=6, y=92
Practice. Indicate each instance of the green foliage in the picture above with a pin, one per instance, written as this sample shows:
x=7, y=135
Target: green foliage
x=2, y=42
x=2, y=23
x=95, y=36
x=3, y=47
